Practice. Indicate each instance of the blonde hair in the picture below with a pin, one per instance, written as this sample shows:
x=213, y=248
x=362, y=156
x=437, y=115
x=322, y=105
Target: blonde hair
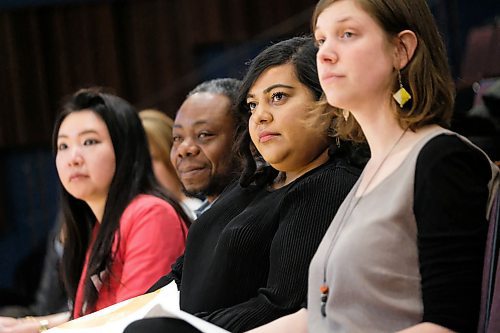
x=158, y=127
x=323, y=116
x=427, y=76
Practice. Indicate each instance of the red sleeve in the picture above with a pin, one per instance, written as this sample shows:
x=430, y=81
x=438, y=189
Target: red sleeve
x=152, y=237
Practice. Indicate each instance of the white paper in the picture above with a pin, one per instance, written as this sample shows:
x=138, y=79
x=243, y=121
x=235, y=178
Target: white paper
x=114, y=319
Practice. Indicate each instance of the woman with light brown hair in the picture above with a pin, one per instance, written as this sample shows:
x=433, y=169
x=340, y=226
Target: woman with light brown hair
x=405, y=250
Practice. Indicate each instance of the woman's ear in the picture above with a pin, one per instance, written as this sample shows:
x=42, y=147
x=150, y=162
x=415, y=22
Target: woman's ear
x=406, y=44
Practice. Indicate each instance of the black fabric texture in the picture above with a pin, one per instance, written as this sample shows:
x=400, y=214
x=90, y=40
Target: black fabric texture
x=450, y=208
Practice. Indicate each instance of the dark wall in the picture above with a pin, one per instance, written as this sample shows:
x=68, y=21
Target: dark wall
x=149, y=51
x=145, y=50
x=28, y=194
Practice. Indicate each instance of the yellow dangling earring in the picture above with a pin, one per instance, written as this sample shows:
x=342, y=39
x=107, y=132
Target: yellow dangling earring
x=402, y=95
x=345, y=114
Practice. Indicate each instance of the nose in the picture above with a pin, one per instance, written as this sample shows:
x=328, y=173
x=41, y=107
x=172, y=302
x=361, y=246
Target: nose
x=75, y=157
x=327, y=53
x=261, y=114
x=187, y=148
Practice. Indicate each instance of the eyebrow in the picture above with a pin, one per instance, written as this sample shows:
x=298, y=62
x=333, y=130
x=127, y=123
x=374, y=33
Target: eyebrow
x=274, y=86
x=196, y=123
x=344, y=19
x=79, y=134
x=341, y=20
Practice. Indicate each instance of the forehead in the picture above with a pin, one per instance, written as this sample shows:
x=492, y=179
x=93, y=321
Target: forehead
x=342, y=11
x=80, y=121
x=278, y=74
x=204, y=108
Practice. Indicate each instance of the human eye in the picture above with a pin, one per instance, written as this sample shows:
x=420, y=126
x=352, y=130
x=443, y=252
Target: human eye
x=177, y=138
x=90, y=142
x=346, y=35
x=251, y=106
x=61, y=146
x=319, y=41
x=204, y=135
x=278, y=97
x=319, y=37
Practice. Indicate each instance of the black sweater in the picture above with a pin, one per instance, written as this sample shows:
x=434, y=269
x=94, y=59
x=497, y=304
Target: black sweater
x=247, y=257
x=450, y=194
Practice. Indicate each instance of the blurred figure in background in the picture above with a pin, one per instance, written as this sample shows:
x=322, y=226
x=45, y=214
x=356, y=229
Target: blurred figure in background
x=50, y=295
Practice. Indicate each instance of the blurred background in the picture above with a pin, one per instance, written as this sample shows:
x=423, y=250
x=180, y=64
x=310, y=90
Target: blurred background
x=152, y=52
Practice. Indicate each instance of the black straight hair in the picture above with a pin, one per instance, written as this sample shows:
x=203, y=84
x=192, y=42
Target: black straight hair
x=133, y=176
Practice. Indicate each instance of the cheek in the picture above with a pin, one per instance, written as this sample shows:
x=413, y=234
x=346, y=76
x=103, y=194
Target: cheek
x=173, y=156
x=252, y=130
x=321, y=67
x=60, y=167
x=108, y=168
x=218, y=155
x=375, y=61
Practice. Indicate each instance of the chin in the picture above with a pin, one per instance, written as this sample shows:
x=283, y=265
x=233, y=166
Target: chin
x=277, y=164
x=334, y=101
x=194, y=191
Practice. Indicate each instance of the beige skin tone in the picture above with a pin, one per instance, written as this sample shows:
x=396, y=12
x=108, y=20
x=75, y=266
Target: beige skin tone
x=356, y=62
x=288, y=137
x=356, y=66
x=31, y=325
x=203, y=138
x=85, y=159
x=85, y=163
x=166, y=176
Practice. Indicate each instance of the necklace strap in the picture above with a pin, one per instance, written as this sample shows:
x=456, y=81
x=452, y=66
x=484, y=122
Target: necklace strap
x=351, y=205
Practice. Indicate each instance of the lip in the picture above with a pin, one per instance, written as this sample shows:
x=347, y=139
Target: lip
x=77, y=176
x=331, y=77
x=187, y=170
x=265, y=136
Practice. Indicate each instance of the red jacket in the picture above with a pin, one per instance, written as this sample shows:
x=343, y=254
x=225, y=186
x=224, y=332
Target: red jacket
x=152, y=236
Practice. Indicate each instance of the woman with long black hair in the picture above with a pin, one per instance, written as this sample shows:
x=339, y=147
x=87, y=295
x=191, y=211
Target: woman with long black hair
x=121, y=231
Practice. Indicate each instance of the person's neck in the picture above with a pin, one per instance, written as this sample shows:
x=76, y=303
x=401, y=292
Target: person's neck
x=179, y=195
x=212, y=198
x=380, y=128
x=291, y=176
x=97, y=207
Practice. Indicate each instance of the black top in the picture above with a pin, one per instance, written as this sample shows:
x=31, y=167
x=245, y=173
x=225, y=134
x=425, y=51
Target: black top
x=450, y=192
x=247, y=257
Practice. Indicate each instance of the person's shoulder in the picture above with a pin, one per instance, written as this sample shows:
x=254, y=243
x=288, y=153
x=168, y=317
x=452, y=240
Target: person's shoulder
x=445, y=143
x=452, y=152
x=334, y=168
x=144, y=203
x=450, y=144
x=150, y=210
x=334, y=173
x=147, y=201
x=343, y=166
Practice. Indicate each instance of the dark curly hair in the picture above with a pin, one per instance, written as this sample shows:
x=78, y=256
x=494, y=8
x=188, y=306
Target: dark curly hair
x=301, y=53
